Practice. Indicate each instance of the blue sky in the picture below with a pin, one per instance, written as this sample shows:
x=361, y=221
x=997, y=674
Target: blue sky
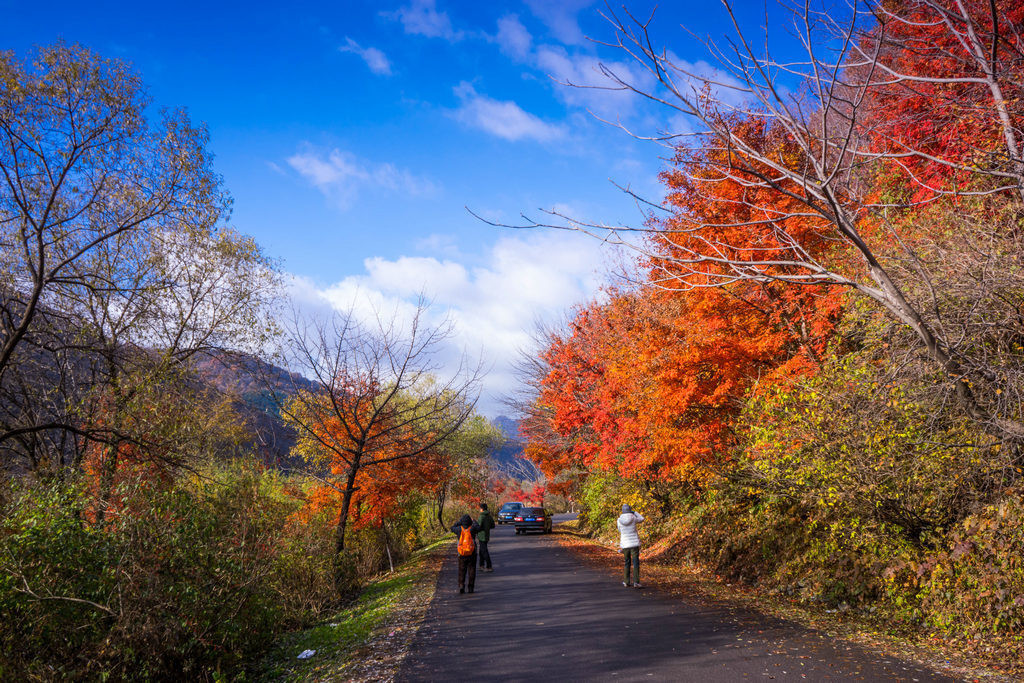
x=353, y=134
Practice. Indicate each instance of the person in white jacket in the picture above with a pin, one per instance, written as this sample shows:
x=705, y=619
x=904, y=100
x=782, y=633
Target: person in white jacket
x=629, y=544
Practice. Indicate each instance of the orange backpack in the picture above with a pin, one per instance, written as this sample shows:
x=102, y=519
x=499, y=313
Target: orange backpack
x=467, y=546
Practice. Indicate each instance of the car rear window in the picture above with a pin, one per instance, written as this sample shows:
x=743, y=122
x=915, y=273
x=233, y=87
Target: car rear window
x=533, y=511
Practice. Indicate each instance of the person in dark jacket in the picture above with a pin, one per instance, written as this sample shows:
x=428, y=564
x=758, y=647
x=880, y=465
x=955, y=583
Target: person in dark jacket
x=467, y=563
x=486, y=523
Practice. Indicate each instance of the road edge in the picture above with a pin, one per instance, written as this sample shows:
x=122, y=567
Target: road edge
x=678, y=581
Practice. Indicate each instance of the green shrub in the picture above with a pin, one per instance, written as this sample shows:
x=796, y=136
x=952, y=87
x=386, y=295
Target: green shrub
x=602, y=497
x=975, y=586
x=185, y=580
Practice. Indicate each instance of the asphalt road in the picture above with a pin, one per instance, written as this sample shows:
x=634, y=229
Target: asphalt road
x=542, y=615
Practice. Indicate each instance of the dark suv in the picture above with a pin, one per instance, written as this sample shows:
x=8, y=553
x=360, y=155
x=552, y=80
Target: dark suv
x=508, y=512
x=532, y=519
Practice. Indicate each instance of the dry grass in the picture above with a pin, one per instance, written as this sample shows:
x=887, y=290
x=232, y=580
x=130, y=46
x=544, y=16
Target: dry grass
x=369, y=640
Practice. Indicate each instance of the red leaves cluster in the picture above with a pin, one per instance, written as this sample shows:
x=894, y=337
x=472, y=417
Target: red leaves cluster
x=648, y=383
x=949, y=82
x=530, y=493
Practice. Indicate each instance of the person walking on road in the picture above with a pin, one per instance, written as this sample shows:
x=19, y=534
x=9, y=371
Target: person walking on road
x=466, y=530
x=486, y=523
x=629, y=544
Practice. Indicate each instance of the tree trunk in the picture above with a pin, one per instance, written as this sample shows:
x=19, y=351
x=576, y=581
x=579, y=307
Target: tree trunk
x=339, y=542
x=108, y=467
x=442, y=495
x=387, y=546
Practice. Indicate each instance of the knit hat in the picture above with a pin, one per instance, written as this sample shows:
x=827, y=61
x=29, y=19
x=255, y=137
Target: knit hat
x=626, y=508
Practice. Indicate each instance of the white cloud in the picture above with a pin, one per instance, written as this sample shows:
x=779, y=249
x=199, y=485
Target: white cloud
x=583, y=79
x=512, y=37
x=408, y=276
x=374, y=58
x=502, y=118
x=340, y=175
x=439, y=244
x=560, y=18
x=589, y=86
x=691, y=77
x=420, y=17
x=524, y=278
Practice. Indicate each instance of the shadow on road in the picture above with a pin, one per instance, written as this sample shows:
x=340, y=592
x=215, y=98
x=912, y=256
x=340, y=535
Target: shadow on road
x=545, y=615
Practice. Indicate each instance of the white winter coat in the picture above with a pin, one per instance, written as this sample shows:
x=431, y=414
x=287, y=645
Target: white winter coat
x=628, y=538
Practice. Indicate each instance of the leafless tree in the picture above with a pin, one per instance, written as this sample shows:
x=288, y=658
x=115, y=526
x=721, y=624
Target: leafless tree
x=531, y=369
x=525, y=470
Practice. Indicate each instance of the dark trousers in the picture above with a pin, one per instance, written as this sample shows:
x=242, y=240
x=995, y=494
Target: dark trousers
x=467, y=570
x=485, y=554
x=631, y=555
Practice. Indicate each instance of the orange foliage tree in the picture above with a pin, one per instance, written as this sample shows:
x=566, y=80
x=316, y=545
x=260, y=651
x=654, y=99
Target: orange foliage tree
x=385, y=473
x=377, y=420
x=647, y=384
x=781, y=197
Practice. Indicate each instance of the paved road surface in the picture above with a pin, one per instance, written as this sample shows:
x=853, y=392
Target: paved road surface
x=544, y=616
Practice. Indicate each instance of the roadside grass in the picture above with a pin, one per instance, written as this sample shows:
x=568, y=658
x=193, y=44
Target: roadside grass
x=368, y=639
x=671, y=576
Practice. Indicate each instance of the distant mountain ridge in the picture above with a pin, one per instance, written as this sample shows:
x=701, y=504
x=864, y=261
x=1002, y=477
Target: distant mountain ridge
x=258, y=386
x=508, y=426
x=247, y=378
x=508, y=453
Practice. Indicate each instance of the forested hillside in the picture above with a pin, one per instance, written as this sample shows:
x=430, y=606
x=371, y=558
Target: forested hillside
x=508, y=454
x=256, y=388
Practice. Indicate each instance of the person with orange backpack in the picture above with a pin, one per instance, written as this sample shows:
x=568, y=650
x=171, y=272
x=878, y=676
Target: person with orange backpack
x=466, y=530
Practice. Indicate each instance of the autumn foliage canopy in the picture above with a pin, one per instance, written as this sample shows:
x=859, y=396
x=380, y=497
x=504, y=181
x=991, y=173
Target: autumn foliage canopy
x=744, y=279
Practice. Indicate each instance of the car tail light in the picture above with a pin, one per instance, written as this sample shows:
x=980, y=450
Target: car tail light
x=540, y=519
x=519, y=519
